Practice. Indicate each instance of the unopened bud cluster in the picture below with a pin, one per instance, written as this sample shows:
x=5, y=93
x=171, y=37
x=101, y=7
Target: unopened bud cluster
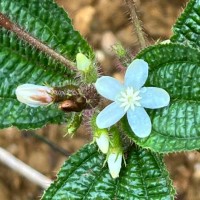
x=109, y=142
x=71, y=98
x=123, y=55
x=76, y=98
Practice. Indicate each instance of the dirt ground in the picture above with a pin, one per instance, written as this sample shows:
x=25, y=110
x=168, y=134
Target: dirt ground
x=103, y=23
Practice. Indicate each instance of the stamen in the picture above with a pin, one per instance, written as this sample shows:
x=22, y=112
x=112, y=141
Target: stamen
x=129, y=99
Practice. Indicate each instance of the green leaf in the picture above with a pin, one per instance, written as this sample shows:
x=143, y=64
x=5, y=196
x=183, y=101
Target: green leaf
x=24, y=117
x=21, y=63
x=84, y=177
x=47, y=22
x=175, y=68
x=187, y=28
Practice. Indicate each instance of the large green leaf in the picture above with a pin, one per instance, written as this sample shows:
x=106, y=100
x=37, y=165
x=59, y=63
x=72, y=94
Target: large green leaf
x=21, y=63
x=47, y=22
x=175, y=68
x=187, y=28
x=84, y=177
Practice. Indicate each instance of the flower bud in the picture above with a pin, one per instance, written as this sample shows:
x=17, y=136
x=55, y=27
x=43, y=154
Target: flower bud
x=100, y=136
x=86, y=68
x=115, y=163
x=119, y=50
x=114, y=158
x=83, y=63
x=103, y=142
x=74, y=123
x=34, y=95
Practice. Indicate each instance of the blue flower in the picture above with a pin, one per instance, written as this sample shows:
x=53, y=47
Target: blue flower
x=130, y=98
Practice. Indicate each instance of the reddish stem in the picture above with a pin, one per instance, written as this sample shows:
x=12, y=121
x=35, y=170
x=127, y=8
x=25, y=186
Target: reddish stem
x=7, y=24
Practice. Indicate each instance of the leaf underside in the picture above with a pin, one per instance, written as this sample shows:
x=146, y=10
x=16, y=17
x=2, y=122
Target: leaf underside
x=21, y=63
x=84, y=177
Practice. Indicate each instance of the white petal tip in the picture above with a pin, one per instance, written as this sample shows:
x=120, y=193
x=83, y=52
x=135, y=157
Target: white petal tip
x=138, y=61
x=114, y=164
x=103, y=143
x=143, y=135
x=154, y=98
x=139, y=122
x=114, y=175
x=100, y=123
x=165, y=42
x=167, y=99
x=136, y=74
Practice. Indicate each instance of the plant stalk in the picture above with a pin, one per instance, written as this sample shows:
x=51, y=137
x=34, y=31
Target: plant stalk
x=7, y=24
x=136, y=22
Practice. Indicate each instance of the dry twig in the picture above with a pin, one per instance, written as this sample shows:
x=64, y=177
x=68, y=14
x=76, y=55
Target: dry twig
x=17, y=165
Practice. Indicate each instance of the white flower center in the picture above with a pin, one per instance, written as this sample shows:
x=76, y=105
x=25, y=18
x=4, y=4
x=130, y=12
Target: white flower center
x=129, y=98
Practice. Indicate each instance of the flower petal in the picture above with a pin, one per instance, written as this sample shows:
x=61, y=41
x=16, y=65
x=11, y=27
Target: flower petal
x=114, y=164
x=136, y=74
x=110, y=115
x=108, y=87
x=139, y=122
x=153, y=97
x=103, y=143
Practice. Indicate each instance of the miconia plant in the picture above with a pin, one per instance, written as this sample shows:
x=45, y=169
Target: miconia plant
x=49, y=75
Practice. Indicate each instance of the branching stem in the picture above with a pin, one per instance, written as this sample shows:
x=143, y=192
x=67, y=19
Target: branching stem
x=136, y=22
x=7, y=24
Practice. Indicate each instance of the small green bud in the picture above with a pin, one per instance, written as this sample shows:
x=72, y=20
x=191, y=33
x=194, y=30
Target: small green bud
x=119, y=50
x=74, y=123
x=83, y=63
x=115, y=140
x=86, y=68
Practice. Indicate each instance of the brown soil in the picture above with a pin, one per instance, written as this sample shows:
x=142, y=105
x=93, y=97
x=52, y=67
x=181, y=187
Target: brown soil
x=102, y=22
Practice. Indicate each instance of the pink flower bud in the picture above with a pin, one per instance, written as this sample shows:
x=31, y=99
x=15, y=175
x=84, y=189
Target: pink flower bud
x=34, y=95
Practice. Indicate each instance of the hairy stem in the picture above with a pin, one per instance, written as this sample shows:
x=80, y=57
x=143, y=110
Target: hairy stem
x=136, y=22
x=7, y=24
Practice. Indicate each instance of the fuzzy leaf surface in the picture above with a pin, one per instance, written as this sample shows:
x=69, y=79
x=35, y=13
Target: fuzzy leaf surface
x=21, y=63
x=84, y=177
x=187, y=28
